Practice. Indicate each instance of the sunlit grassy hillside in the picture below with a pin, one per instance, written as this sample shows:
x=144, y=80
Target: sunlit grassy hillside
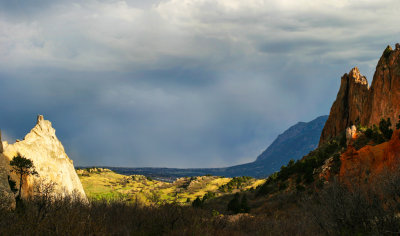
x=105, y=184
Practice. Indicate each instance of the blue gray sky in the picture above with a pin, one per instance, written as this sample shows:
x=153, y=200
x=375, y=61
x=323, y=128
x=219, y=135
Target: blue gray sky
x=180, y=83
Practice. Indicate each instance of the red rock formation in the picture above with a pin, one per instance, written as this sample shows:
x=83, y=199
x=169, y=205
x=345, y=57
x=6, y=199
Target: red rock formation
x=349, y=104
x=370, y=161
x=357, y=103
x=384, y=100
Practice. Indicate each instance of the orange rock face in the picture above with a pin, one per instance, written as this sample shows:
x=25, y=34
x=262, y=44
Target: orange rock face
x=371, y=160
x=356, y=102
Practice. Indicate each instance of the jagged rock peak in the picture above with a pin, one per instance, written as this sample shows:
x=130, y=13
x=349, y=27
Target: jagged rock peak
x=357, y=76
x=40, y=118
x=43, y=130
x=356, y=103
x=48, y=155
x=349, y=104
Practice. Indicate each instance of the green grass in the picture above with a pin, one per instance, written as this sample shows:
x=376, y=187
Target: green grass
x=108, y=185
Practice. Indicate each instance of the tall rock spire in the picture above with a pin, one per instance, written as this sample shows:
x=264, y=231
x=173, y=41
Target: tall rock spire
x=348, y=107
x=356, y=103
x=42, y=146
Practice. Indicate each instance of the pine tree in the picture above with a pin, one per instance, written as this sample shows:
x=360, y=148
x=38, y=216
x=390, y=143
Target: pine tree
x=234, y=204
x=244, y=205
x=22, y=167
x=197, y=203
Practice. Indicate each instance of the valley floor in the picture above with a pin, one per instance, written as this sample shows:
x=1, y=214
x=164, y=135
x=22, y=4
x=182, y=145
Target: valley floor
x=101, y=184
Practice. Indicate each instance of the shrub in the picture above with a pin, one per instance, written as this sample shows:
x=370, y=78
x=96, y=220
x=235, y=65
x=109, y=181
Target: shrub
x=300, y=188
x=385, y=128
x=239, y=205
x=149, y=178
x=208, y=195
x=234, y=204
x=387, y=51
x=12, y=184
x=377, y=137
x=283, y=186
x=235, y=183
x=197, y=203
x=244, y=205
x=398, y=124
x=361, y=141
x=368, y=133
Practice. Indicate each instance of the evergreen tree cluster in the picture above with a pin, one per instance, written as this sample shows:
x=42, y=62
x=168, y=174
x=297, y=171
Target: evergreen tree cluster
x=235, y=183
x=304, y=168
x=198, y=203
x=239, y=204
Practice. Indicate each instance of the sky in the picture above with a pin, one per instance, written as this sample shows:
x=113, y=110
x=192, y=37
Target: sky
x=180, y=83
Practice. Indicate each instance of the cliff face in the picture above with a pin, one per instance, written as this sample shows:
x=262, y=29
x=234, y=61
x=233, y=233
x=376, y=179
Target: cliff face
x=349, y=104
x=6, y=196
x=49, y=158
x=384, y=100
x=357, y=103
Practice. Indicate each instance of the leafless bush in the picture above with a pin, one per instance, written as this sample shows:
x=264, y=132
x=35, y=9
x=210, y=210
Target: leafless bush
x=348, y=208
x=365, y=208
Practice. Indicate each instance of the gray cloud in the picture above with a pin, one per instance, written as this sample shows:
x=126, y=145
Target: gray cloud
x=180, y=83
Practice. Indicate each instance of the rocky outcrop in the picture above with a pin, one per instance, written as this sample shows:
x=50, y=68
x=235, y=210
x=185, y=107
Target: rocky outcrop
x=351, y=133
x=49, y=158
x=356, y=103
x=7, y=199
x=370, y=161
x=349, y=104
x=91, y=170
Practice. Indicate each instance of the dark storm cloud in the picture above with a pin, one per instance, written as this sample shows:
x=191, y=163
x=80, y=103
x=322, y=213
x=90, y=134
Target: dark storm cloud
x=180, y=83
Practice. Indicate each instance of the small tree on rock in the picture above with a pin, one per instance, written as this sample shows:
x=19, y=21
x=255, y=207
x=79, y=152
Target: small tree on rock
x=385, y=128
x=22, y=167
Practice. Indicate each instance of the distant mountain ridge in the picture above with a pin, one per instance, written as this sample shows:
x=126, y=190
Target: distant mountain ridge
x=294, y=143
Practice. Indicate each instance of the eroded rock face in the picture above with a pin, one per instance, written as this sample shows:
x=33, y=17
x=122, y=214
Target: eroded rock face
x=356, y=103
x=7, y=199
x=370, y=161
x=49, y=158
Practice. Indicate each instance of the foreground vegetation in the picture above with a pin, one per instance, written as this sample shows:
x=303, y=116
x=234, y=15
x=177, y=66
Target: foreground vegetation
x=336, y=209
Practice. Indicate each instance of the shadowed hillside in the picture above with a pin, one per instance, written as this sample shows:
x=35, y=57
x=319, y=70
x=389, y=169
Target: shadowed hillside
x=294, y=143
